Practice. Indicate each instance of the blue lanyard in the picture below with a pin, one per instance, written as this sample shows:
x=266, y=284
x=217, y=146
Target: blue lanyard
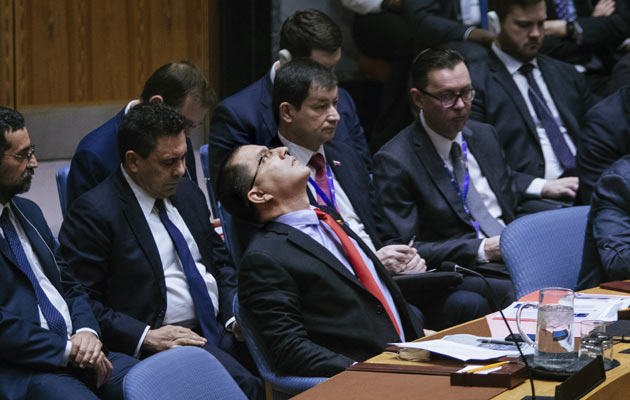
x=331, y=186
x=463, y=194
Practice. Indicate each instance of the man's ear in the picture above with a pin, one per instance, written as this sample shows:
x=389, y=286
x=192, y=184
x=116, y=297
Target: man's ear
x=156, y=99
x=285, y=112
x=416, y=98
x=257, y=196
x=131, y=161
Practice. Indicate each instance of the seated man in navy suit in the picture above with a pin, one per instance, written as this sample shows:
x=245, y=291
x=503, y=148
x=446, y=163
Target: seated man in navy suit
x=50, y=346
x=318, y=296
x=181, y=85
x=141, y=242
x=305, y=102
x=248, y=118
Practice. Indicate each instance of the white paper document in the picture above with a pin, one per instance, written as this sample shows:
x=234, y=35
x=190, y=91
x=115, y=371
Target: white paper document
x=466, y=347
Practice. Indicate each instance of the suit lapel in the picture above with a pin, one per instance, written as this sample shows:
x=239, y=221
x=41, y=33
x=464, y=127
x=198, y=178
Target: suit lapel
x=345, y=177
x=503, y=78
x=6, y=252
x=265, y=109
x=140, y=228
x=429, y=157
x=556, y=90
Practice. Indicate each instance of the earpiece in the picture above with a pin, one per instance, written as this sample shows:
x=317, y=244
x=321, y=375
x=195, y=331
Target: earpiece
x=284, y=56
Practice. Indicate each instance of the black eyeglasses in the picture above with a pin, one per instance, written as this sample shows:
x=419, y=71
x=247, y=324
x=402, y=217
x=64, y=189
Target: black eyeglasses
x=29, y=154
x=262, y=157
x=448, y=100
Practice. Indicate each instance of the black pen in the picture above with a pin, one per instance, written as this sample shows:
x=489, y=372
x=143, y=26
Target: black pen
x=496, y=341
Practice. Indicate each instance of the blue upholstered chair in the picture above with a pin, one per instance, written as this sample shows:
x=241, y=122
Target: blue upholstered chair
x=545, y=249
x=62, y=187
x=283, y=386
x=189, y=373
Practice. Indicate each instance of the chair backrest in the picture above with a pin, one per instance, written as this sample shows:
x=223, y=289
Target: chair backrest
x=283, y=386
x=62, y=187
x=205, y=166
x=545, y=249
x=181, y=373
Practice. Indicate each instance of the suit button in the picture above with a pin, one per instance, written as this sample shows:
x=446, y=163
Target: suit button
x=379, y=309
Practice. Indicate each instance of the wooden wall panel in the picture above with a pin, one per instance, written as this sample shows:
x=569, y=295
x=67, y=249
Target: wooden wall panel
x=87, y=51
x=7, y=58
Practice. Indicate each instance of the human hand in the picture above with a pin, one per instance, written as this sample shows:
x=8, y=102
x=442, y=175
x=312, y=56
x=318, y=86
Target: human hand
x=237, y=332
x=561, y=188
x=103, y=369
x=395, y=257
x=86, y=349
x=169, y=336
x=603, y=8
x=492, y=249
x=481, y=36
x=416, y=265
x=555, y=27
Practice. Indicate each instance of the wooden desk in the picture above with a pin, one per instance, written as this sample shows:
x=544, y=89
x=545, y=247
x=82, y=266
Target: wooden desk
x=377, y=385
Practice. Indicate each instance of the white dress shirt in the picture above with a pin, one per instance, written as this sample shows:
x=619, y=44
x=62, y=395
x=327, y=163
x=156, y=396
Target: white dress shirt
x=443, y=147
x=553, y=167
x=471, y=13
x=49, y=289
x=344, y=206
x=179, y=304
x=363, y=7
x=307, y=222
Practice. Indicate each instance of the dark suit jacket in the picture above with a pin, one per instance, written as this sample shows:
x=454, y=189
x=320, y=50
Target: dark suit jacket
x=435, y=21
x=607, y=240
x=24, y=344
x=97, y=157
x=420, y=200
x=601, y=35
x=605, y=138
x=108, y=243
x=498, y=102
x=314, y=317
x=247, y=118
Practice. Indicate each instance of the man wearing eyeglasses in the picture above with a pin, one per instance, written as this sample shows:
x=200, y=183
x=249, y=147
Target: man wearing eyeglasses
x=50, y=340
x=443, y=179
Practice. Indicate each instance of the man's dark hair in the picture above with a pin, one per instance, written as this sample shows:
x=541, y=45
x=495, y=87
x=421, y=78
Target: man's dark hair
x=504, y=7
x=430, y=60
x=294, y=80
x=144, y=124
x=309, y=30
x=177, y=80
x=10, y=120
x=233, y=183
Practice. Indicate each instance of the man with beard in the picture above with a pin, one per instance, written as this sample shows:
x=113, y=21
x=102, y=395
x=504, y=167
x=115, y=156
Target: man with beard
x=50, y=345
x=535, y=103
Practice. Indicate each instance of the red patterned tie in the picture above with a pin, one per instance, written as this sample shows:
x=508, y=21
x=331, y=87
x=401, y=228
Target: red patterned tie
x=360, y=269
x=318, y=163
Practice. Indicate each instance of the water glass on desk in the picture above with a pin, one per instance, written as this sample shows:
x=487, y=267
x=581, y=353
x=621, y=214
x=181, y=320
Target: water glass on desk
x=595, y=342
x=554, y=347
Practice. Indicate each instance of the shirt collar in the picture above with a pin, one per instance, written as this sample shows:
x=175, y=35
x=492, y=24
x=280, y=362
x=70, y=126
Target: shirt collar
x=299, y=218
x=146, y=201
x=441, y=144
x=272, y=73
x=511, y=63
x=302, y=154
x=3, y=206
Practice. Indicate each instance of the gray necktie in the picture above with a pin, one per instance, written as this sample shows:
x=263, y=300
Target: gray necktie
x=488, y=224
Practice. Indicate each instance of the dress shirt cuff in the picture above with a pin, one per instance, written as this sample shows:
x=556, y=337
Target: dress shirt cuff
x=467, y=33
x=481, y=252
x=228, y=324
x=535, y=188
x=66, y=354
x=87, y=330
x=136, y=353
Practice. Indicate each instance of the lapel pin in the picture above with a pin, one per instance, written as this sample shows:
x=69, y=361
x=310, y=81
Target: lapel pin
x=337, y=163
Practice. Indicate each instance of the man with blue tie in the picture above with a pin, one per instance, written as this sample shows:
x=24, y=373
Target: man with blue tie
x=142, y=244
x=50, y=345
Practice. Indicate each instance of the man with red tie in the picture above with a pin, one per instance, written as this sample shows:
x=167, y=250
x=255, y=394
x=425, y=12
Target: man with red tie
x=318, y=295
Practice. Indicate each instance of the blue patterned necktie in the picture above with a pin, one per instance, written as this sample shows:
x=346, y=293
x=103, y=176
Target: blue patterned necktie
x=198, y=289
x=556, y=138
x=55, y=320
x=565, y=9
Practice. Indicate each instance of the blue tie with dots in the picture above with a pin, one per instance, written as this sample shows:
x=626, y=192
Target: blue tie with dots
x=565, y=9
x=55, y=320
x=198, y=289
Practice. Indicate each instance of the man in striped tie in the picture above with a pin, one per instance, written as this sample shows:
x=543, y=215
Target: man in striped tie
x=50, y=341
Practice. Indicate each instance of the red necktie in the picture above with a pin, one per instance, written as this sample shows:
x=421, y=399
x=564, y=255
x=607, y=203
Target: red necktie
x=360, y=269
x=319, y=165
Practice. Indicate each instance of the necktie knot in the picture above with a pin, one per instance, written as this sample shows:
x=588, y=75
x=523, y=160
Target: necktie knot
x=159, y=205
x=317, y=161
x=4, y=218
x=456, y=151
x=320, y=214
x=526, y=69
